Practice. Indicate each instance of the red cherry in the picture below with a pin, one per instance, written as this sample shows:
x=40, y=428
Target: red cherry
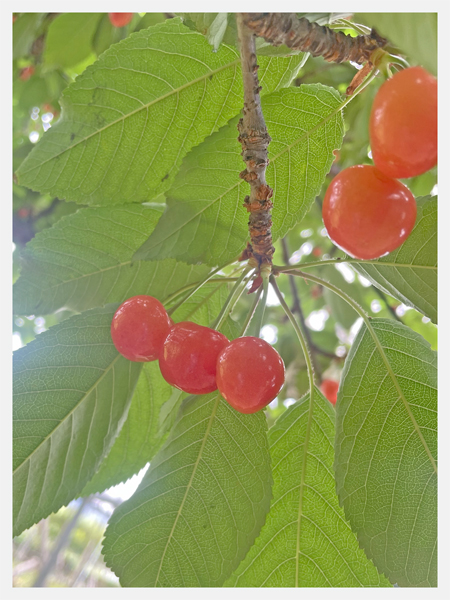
x=120, y=19
x=250, y=373
x=329, y=389
x=26, y=73
x=139, y=327
x=189, y=355
x=403, y=124
x=366, y=213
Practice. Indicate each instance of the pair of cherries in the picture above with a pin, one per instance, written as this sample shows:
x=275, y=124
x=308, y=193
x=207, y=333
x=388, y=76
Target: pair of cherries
x=248, y=372
x=366, y=211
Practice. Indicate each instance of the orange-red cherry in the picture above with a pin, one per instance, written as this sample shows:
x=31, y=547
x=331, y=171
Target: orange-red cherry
x=139, y=327
x=366, y=213
x=403, y=124
x=120, y=19
x=329, y=389
x=189, y=356
x=250, y=373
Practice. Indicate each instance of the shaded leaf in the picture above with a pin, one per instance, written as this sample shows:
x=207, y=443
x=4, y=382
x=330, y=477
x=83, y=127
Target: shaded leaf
x=72, y=391
x=415, y=34
x=85, y=260
x=384, y=474
x=138, y=440
x=205, y=220
x=410, y=272
x=70, y=38
x=200, y=505
x=306, y=541
x=25, y=29
x=128, y=119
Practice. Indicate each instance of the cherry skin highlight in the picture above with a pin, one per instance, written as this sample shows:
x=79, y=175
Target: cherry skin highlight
x=366, y=213
x=139, y=327
x=403, y=124
x=189, y=355
x=250, y=373
x=120, y=19
x=329, y=389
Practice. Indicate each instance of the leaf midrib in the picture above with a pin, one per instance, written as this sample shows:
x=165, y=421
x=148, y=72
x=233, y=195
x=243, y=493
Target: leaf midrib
x=177, y=90
x=68, y=415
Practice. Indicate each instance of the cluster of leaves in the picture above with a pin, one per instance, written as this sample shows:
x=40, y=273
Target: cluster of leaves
x=145, y=153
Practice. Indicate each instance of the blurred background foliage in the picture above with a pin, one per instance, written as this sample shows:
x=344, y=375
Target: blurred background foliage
x=49, y=51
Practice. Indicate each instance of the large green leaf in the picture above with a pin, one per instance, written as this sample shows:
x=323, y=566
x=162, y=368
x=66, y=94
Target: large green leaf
x=72, y=391
x=200, y=505
x=70, y=38
x=306, y=541
x=85, y=260
x=128, y=119
x=414, y=33
x=149, y=418
x=410, y=272
x=205, y=219
x=386, y=445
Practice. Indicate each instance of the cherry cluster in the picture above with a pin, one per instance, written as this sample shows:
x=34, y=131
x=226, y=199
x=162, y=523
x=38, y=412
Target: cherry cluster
x=248, y=372
x=366, y=211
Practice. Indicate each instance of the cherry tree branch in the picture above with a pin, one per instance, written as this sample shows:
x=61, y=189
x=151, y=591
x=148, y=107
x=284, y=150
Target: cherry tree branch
x=300, y=34
x=255, y=140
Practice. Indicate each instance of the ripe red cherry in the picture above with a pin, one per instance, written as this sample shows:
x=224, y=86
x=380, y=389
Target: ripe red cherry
x=366, y=213
x=139, y=327
x=250, y=373
x=26, y=73
x=329, y=389
x=189, y=355
x=403, y=124
x=120, y=19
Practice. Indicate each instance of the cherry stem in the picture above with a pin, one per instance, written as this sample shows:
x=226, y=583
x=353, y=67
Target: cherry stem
x=236, y=292
x=336, y=261
x=194, y=287
x=252, y=310
x=379, y=347
x=257, y=321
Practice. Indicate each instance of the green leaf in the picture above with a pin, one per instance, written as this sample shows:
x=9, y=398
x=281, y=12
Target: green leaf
x=85, y=260
x=386, y=446
x=128, y=119
x=415, y=34
x=72, y=391
x=410, y=272
x=200, y=505
x=205, y=220
x=138, y=440
x=25, y=30
x=306, y=540
x=154, y=404
x=70, y=38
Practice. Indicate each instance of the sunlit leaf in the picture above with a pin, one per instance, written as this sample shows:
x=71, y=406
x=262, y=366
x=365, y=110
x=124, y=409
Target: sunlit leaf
x=306, y=541
x=128, y=120
x=70, y=38
x=386, y=446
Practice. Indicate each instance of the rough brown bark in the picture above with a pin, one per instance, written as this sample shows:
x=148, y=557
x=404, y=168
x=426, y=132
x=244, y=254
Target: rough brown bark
x=300, y=34
x=255, y=140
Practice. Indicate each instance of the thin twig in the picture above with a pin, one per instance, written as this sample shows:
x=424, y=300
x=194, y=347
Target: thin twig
x=254, y=139
x=300, y=34
x=382, y=295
